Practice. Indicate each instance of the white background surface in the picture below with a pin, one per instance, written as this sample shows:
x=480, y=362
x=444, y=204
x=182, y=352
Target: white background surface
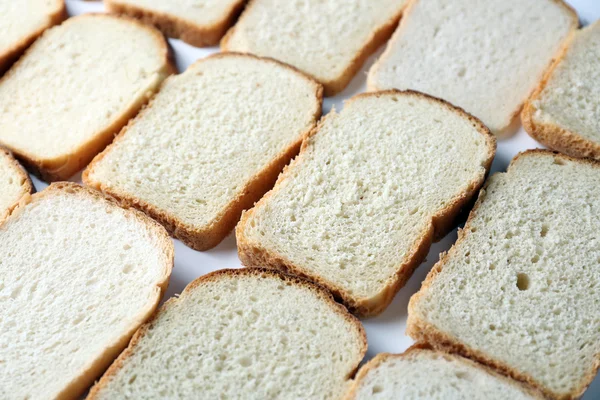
x=386, y=332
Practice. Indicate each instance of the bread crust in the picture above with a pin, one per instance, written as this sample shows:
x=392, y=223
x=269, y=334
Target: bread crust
x=254, y=254
x=332, y=87
x=177, y=27
x=550, y=134
x=10, y=54
x=421, y=330
x=26, y=186
x=513, y=123
x=63, y=167
x=96, y=367
x=208, y=236
x=222, y=274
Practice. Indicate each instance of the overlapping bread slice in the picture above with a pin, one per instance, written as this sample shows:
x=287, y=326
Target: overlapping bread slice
x=327, y=39
x=422, y=373
x=247, y=333
x=79, y=275
x=564, y=113
x=520, y=288
x=210, y=144
x=64, y=100
x=21, y=22
x=485, y=57
x=198, y=22
x=14, y=182
x=359, y=207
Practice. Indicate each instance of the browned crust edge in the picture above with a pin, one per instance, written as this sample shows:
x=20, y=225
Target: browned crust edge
x=63, y=167
x=232, y=273
x=208, y=236
x=254, y=254
x=556, y=137
x=332, y=87
x=11, y=54
x=26, y=185
x=425, y=348
x=177, y=27
x=513, y=124
x=96, y=367
x=421, y=330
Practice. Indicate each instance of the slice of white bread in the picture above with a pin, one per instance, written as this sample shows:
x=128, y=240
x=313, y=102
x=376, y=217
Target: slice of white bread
x=248, y=333
x=327, y=39
x=357, y=210
x=520, y=288
x=486, y=57
x=76, y=86
x=197, y=22
x=14, y=182
x=79, y=276
x=210, y=144
x=21, y=22
x=564, y=113
x=421, y=373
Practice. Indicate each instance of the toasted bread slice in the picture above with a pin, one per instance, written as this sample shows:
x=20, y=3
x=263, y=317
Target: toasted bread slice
x=327, y=39
x=357, y=210
x=210, y=144
x=564, y=113
x=21, y=22
x=485, y=57
x=64, y=100
x=422, y=373
x=520, y=288
x=79, y=276
x=246, y=333
x=14, y=182
x=199, y=23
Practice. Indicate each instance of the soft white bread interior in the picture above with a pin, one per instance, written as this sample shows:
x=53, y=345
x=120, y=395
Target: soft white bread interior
x=485, y=57
x=76, y=86
x=210, y=144
x=327, y=39
x=564, y=113
x=421, y=373
x=357, y=210
x=14, y=182
x=520, y=288
x=247, y=333
x=79, y=275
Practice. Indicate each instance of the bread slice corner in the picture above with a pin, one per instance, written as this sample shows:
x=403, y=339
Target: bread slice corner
x=14, y=182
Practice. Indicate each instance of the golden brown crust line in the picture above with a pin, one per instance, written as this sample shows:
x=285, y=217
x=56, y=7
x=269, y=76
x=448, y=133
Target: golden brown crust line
x=26, y=186
x=216, y=275
x=253, y=254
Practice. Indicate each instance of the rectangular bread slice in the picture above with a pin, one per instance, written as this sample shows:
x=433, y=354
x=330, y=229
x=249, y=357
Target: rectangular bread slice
x=79, y=275
x=245, y=333
x=520, y=288
x=564, y=113
x=76, y=86
x=422, y=373
x=14, y=182
x=357, y=210
x=210, y=144
x=327, y=39
x=21, y=22
x=198, y=22
x=484, y=56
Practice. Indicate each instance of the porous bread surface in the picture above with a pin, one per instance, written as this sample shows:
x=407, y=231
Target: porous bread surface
x=521, y=287
x=569, y=99
x=321, y=38
x=426, y=374
x=206, y=135
x=79, y=275
x=76, y=81
x=351, y=210
x=483, y=57
x=249, y=333
x=14, y=182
